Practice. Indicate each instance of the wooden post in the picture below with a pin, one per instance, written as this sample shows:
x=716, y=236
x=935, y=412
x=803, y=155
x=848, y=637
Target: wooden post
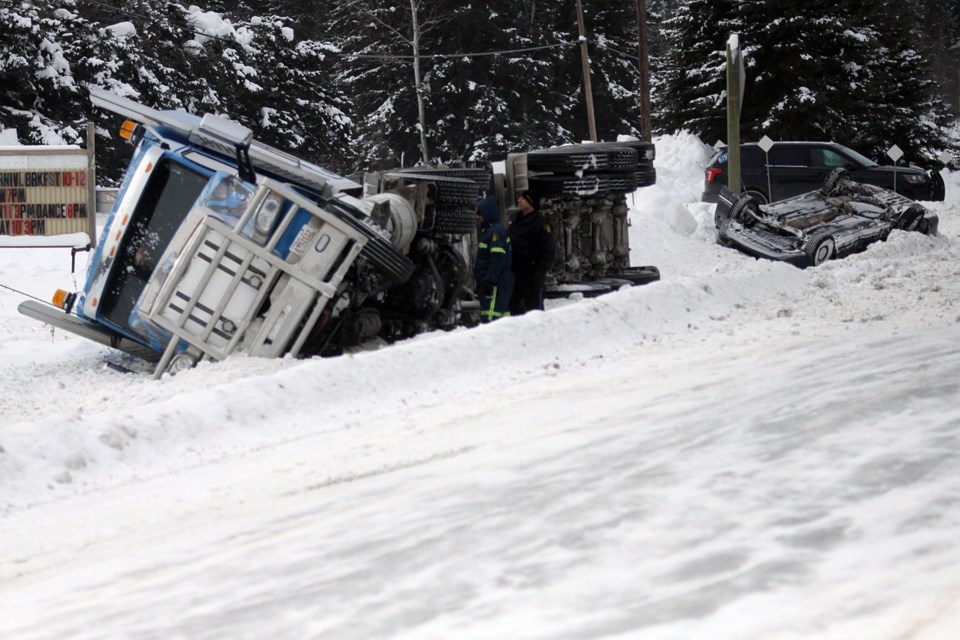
x=92, y=184
x=733, y=113
x=645, y=120
x=585, y=60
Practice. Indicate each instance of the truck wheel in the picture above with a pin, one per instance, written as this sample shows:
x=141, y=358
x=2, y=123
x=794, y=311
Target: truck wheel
x=646, y=151
x=639, y=275
x=588, y=185
x=646, y=176
x=454, y=220
x=586, y=289
x=820, y=248
x=578, y=159
x=450, y=191
x=479, y=175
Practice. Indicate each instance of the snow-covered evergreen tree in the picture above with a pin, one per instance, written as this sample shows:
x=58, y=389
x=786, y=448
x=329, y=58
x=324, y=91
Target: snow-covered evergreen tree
x=848, y=72
x=689, y=82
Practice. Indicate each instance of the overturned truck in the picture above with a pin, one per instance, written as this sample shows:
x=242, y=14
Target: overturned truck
x=219, y=244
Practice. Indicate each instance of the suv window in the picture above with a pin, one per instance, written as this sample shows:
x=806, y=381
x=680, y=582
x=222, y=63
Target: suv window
x=790, y=155
x=824, y=158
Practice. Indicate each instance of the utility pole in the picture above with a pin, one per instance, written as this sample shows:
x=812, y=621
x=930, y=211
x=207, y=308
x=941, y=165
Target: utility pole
x=734, y=104
x=585, y=59
x=645, y=125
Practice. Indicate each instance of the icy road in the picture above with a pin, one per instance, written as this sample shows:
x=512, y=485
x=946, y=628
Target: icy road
x=742, y=451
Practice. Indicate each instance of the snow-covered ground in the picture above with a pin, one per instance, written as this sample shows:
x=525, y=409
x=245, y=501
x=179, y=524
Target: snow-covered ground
x=742, y=450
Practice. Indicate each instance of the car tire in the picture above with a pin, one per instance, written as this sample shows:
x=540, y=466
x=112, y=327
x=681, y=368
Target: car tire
x=744, y=211
x=820, y=248
x=937, y=187
x=912, y=219
x=833, y=180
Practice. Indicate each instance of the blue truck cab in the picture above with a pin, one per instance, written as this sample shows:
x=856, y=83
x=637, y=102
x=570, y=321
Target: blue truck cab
x=217, y=244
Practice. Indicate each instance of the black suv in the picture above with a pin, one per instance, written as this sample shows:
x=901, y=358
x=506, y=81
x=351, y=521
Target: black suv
x=792, y=168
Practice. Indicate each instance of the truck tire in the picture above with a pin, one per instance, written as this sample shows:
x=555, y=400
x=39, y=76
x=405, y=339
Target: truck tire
x=455, y=220
x=646, y=151
x=646, y=176
x=587, y=185
x=478, y=174
x=582, y=159
x=450, y=190
x=585, y=289
x=639, y=275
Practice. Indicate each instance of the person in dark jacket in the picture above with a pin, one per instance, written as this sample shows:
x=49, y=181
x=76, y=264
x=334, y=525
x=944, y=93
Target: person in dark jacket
x=533, y=251
x=493, y=265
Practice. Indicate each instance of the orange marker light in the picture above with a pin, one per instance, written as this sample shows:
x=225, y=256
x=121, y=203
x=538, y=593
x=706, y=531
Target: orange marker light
x=59, y=298
x=127, y=129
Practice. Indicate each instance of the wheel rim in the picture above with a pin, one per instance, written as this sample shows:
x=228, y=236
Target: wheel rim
x=824, y=252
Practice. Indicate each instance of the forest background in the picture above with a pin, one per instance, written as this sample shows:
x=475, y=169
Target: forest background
x=347, y=83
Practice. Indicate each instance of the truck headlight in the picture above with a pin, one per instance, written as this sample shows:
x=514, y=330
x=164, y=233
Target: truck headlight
x=267, y=214
x=181, y=363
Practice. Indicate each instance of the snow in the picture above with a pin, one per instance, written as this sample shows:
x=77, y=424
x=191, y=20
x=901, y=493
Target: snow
x=742, y=450
x=123, y=29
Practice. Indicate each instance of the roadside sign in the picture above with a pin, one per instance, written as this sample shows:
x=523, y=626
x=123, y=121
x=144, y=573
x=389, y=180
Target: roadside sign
x=48, y=190
x=765, y=143
x=895, y=153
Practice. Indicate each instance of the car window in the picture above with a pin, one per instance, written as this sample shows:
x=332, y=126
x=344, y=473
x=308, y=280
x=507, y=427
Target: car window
x=823, y=158
x=790, y=155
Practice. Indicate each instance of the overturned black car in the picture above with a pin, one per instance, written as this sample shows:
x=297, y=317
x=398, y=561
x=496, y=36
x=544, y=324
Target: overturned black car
x=840, y=218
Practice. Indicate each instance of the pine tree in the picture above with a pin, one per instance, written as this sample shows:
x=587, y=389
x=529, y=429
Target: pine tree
x=689, y=86
x=905, y=103
x=803, y=79
x=818, y=70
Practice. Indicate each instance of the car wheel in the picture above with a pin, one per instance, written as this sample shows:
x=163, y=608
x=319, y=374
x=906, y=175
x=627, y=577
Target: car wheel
x=833, y=180
x=820, y=248
x=744, y=211
x=937, y=187
x=912, y=219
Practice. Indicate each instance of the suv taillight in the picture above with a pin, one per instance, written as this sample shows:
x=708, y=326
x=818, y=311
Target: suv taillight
x=713, y=173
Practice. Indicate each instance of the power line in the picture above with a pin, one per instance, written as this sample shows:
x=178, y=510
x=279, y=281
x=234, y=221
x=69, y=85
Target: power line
x=385, y=56
x=358, y=56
